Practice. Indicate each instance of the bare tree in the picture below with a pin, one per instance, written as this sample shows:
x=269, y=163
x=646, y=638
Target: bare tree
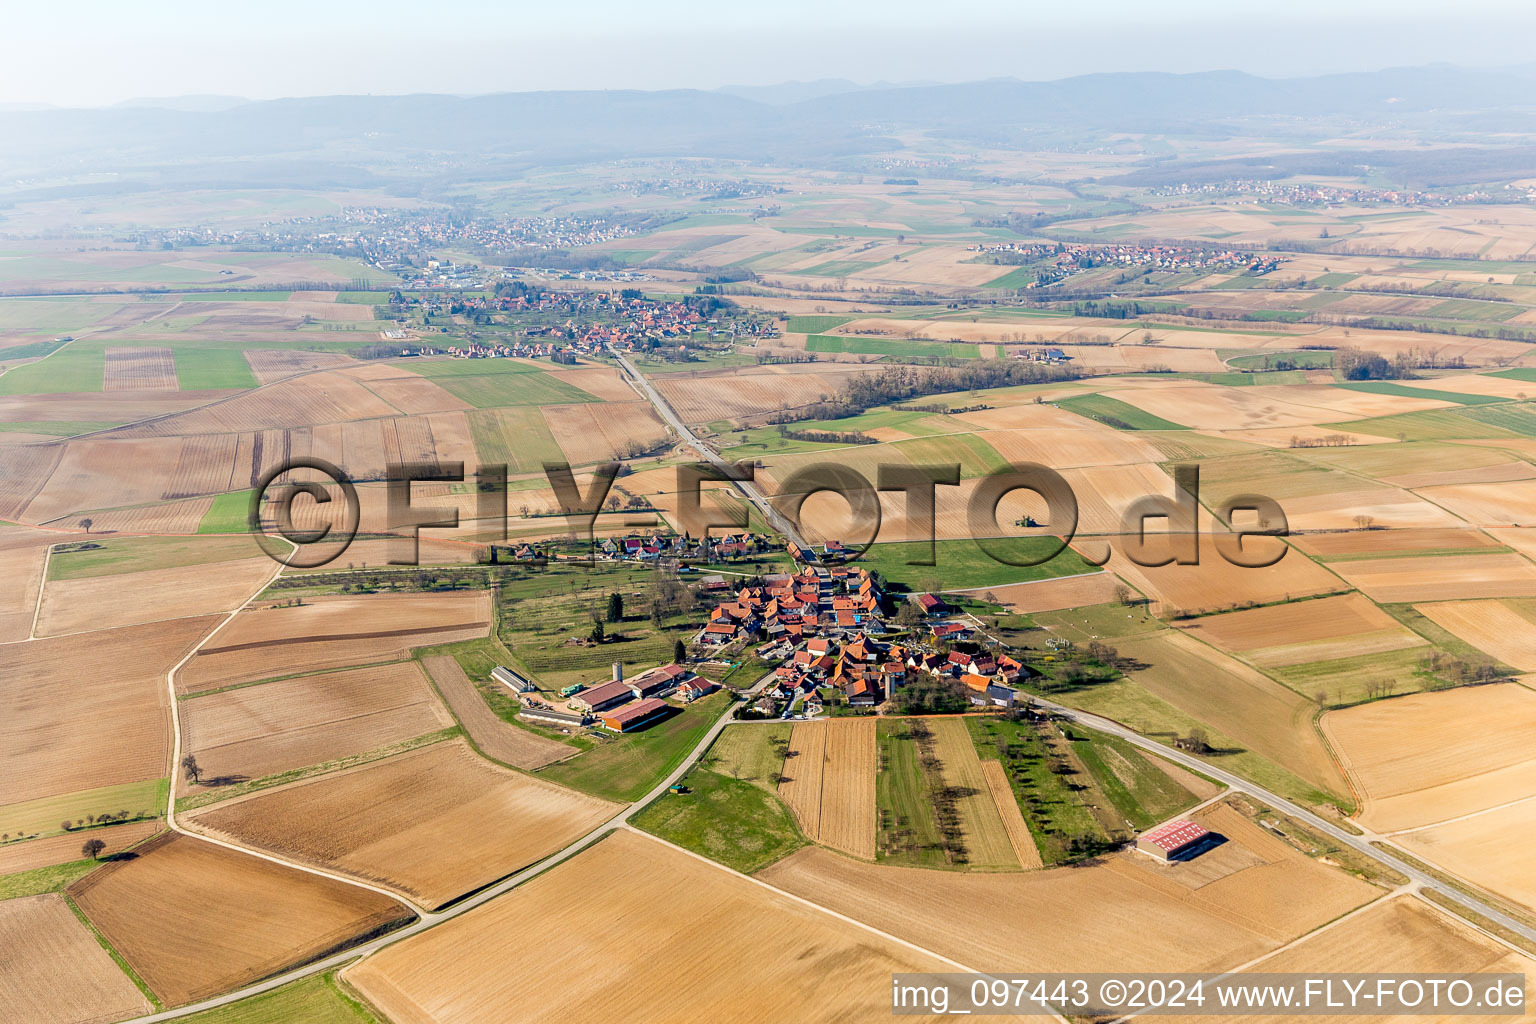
x=87, y=523
x=194, y=773
x=1364, y=521
x=92, y=848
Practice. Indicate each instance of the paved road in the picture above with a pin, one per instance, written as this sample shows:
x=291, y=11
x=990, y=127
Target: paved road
x=748, y=489
x=1362, y=843
x=427, y=919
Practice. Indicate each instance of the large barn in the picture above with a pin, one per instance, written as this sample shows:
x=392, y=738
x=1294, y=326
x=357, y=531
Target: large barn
x=633, y=716
x=1175, y=840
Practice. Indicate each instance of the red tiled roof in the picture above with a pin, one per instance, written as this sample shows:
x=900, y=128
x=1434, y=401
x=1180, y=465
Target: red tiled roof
x=1175, y=835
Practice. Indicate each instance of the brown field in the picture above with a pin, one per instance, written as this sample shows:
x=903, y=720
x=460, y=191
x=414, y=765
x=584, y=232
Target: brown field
x=254, y=731
x=1237, y=700
x=628, y=893
x=1441, y=578
x=1490, y=849
x=55, y=970
x=1491, y=626
x=411, y=393
x=1212, y=407
x=987, y=840
x=847, y=820
x=22, y=552
x=62, y=849
x=1369, y=542
x=90, y=476
x=507, y=743
x=331, y=632
x=1498, y=473
x=313, y=398
x=801, y=784
x=271, y=365
x=206, y=465
x=1430, y=757
x=90, y=710
x=1049, y=595
x=1400, y=934
x=596, y=433
x=1316, y=630
x=1066, y=448
x=170, y=517
x=603, y=381
x=1511, y=503
x=106, y=407
x=127, y=599
x=744, y=394
x=1023, y=843
x=387, y=822
x=1034, y=921
x=24, y=469
x=1215, y=583
x=194, y=919
x=146, y=368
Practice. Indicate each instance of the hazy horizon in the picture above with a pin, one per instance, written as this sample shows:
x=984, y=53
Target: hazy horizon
x=113, y=54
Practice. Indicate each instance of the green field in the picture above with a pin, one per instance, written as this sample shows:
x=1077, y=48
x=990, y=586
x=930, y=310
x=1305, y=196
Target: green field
x=962, y=565
x=45, y=815
x=363, y=298
x=518, y=438
x=1333, y=280
x=813, y=324
x=1053, y=809
x=974, y=456
x=1115, y=413
x=1142, y=793
x=115, y=555
x=624, y=768
x=227, y=296
x=899, y=347
x=908, y=831
x=1303, y=358
x=40, y=880
x=1525, y=373
x=1472, y=309
x=74, y=368
x=1384, y=387
x=1520, y=418
x=313, y=1000
x=498, y=390
x=753, y=754
x=727, y=820
x=200, y=369
x=1019, y=277
x=227, y=514
x=1430, y=425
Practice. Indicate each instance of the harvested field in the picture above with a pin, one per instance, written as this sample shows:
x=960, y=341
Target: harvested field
x=24, y=469
x=1250, y=707
x=1049, y=595
x=1493, y=627
x=206, y=465
x=1401, y=934
x=1034, y=921
x=313, y=398
x=497, y=739
x=254, y=731
x=62, y=849
x=604, y=382
x=55, y=970
x=274, y=364
x=1430, y=757
x=194, y=919
x=1303, y=631
x=412, y=394
x=987, y=840
x=1373, y=542
x=331, y=632
x=848, y=787
x=22, y=552
x=88, y=711
x=1215, y=583
x=743, y=395
x=1491, y=849
x=127, y=599
x=1013, y=819
x=90, y=476
x=1439, y=578
x=596, y=433
x=1211, y=407
x=801, y=783
x=1510, y=503
x=142, y=368
x=388, y=822
x=171, y=517
x=632, y=892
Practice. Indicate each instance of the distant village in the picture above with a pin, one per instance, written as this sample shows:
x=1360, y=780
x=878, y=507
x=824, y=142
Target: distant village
x=1060, y=260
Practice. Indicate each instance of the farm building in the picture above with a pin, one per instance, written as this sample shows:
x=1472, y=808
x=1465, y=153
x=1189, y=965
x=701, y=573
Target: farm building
x=511, y=680
x=552, y=717
x=601, y=698
x=632, y=716
x=657, y=680
x=931, y=604
x=692, y=689
x=1176, y=840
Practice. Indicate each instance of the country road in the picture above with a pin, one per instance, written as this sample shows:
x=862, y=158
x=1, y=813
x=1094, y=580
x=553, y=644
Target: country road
x=748, y=489
x=1360, y=843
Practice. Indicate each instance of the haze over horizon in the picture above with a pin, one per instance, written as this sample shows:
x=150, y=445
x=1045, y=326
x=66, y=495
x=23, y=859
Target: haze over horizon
x=112, y=54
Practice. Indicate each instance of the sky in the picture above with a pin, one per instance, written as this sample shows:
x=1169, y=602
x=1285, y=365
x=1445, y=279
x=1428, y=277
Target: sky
x=94, y=53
